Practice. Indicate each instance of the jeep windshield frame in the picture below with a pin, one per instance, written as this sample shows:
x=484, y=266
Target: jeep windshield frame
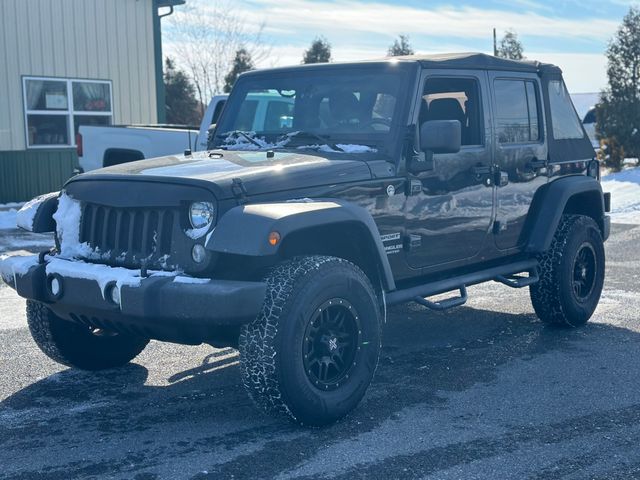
x=360, y=108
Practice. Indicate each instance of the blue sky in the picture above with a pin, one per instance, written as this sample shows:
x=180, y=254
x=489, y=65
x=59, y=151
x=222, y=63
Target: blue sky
x=572, y=33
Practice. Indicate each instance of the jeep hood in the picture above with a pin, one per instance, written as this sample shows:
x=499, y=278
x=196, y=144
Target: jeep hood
x=258, y=173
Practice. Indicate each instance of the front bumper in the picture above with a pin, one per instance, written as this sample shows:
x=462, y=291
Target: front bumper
x=162, y=306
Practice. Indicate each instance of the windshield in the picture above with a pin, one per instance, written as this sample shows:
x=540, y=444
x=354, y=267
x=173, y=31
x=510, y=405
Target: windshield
x=353, y=110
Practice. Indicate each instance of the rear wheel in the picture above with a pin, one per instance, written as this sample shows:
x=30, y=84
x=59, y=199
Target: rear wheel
x=314, y=348
x=78, y=346
x=571, y=273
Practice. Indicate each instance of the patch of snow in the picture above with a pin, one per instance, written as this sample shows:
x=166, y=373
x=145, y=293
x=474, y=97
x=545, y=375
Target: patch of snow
x=301, y=200
x=8, y=219
x=17, y=265
x=102, y=274
x=625, y=195
x=28, y=212
x=192, y=280
x=67, y=219
x=344, y=148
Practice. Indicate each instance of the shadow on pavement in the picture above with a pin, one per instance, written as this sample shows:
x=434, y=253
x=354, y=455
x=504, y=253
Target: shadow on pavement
x=114, y=422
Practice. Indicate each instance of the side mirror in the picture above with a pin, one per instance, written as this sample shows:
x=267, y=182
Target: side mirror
x=441, y=136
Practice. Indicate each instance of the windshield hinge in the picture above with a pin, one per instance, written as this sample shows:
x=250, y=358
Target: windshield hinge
x=239, y=191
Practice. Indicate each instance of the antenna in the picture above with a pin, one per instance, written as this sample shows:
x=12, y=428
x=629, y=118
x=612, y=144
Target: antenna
x=495, y=44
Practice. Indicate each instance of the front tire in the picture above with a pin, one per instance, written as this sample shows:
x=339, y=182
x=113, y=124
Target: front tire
x=78, y=346
x=313, y=350
x=571, y=274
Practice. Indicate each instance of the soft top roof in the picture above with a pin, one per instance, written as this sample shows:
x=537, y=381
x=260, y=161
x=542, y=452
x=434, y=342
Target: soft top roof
x=479, y=61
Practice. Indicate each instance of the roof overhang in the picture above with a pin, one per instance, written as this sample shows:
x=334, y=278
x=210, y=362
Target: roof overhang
x=169, y=3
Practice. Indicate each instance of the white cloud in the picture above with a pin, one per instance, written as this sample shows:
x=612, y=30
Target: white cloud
x=350, y=16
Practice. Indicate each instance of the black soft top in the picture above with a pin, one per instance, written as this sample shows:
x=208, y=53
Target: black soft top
x=478, y=61
x=461, y=61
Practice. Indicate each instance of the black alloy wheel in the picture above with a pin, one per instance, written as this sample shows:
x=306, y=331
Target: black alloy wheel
x=331, y=342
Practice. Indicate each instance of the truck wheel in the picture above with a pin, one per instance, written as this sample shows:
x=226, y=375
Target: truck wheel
x=78, y=346
x=312, y=351
x=571, y=274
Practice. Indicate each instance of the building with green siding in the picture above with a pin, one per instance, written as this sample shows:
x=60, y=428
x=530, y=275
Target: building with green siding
x=66, y=63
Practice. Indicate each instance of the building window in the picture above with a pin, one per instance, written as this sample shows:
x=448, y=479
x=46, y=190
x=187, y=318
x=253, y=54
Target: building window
x=56, y=108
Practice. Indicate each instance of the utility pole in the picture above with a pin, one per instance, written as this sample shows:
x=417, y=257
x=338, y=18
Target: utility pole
x=495, y=44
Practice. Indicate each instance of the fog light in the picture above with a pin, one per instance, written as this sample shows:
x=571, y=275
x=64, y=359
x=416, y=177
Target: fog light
x=54, y=284
x=198, y=253
x=113, y=293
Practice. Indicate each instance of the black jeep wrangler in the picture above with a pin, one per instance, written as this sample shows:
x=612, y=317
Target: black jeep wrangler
x=350, y=188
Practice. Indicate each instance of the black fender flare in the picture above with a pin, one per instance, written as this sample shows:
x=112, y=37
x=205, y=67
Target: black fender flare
x=550, y=202
x=37, y=215
x=245, y=229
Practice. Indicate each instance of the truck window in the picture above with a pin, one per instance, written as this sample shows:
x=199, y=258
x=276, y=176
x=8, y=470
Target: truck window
x=454, y=99
x=517, y=107
x=246, y=115
x=279, y=116
x=564, y=119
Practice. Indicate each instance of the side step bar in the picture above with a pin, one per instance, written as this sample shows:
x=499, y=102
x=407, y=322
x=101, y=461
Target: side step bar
x=503, y=273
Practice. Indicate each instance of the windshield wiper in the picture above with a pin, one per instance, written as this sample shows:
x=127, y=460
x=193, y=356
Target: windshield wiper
x=323, y=139
x=241, y=133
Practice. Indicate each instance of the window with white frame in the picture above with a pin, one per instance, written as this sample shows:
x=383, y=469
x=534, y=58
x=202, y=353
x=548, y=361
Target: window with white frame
x=55, y=108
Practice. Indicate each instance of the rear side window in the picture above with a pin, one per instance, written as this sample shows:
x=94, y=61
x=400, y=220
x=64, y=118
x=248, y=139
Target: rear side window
x=565, y=121
x=517, y=107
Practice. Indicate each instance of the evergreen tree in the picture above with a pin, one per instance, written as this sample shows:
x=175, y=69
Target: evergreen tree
x=318, y=52
x=181, y=105
x=401, y=46
x=618, y=113
x=510, y=47
x=242, y=62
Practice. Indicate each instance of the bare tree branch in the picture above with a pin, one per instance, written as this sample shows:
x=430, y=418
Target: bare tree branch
x=205, y=38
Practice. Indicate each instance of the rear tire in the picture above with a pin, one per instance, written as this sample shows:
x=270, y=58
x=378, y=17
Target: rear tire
x=76, y=345
x=313, y=350
x=571, y=274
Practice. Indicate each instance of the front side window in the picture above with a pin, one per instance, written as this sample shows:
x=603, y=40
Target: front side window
x=517, y=107
x=358, y=108
x=56, y=108
x=565, y=121
x=454, y=99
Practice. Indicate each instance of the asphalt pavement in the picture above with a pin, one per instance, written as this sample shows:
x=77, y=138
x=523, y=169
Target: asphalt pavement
x=480, y=392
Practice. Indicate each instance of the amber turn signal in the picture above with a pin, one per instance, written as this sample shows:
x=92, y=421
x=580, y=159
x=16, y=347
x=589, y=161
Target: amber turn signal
x=274, y=238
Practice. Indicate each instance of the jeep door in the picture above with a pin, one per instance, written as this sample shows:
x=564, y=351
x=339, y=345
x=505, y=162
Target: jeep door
x=520, y=152
x=449, y=219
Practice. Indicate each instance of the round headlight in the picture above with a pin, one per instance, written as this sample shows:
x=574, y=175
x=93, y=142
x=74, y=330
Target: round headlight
x=201, y=214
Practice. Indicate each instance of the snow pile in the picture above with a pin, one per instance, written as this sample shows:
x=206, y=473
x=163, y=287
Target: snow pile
x=102, y=274
x=8, y=218
x=28, y=212
x=249, y=141
x=15, y=265
x=625, y=195
x=67, y=219
x=346, y=148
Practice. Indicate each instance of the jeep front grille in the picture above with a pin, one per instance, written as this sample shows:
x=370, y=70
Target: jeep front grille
x=127, y=236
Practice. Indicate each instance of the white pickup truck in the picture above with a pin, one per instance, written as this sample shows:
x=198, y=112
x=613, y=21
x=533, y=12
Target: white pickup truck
x=103, y=146
x=112, y=145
